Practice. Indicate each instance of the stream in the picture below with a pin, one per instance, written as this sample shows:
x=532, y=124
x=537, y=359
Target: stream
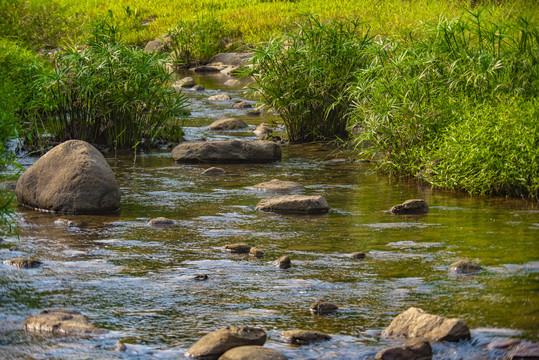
x=138, y=281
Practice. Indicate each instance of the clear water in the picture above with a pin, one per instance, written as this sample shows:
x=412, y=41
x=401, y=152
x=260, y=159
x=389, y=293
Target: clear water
x=137, y=281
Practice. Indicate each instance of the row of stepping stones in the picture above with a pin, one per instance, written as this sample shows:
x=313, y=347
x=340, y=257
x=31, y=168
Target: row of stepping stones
x=246, y=342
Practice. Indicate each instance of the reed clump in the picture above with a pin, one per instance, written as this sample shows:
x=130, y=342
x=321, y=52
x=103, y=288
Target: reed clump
x=107, y=92
x=457, y=106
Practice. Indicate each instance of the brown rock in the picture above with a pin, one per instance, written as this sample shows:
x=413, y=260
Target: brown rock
x=219, y=97
x=253, y=113
x=358, y=255
x=304, y=337
x=524, y=352
x=232, y=82
x=213, y=171
x=416, y=322
x=256, y=253
x=503, y=344
x=228, y=124
x=279, y=186
x=61, y=322
x=252, y=352
x=216, y=343
x=227, y=151
x=73, y=177
x=283, y=262
x=464, y=267
x=186, y=82
x=411, y=207
x=263, y=129
x=294, y=204
x=415, y=350
x=241, y=105
x=239, y=248
x=161, y=222
x=22, y=263
x=323, y=308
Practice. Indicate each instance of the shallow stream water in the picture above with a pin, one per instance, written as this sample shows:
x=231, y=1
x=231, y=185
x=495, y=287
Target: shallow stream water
x=138, y=281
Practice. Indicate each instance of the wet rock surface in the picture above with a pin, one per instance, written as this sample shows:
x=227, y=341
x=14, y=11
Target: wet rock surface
x=414, y=350
x=257, y=253
x=61, y=321
x=279, y=186
x=323, y=308
x=411, y=207
x=464, y=267
x=252, y=352
x=161, y=222
x=238, y=248
x=358, y=255
x=416, y=322
x=186, y=82
x=216, y=343
x=283, y=262
x=219, y=97
x=23, y=263
x=227, y=151
x=294, y=204
x=72, y=177
x=240, y=105
x=213, y=171
x=304, y=337
x=526, y=351
x=228, y=124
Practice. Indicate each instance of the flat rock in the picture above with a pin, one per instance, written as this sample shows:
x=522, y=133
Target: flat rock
x=252, y=352
x=279, y=186
x=219, y=97
x=323, y=308
x=283, y=262
x=236, y=59
x=294, y=204
x=239, y=248
x=257, y=253
x=213, y=171
x=23, y=263
x=161, y=222
x=216, y=343
x=304, y=337
x=416, y=349
x=411, y=207
x=240, y=105
x=186, y=82
x=464, y=267
x=72, y=177
x=61, y=322
x=503, y=344
x=227, y=151
x=228, y=124
x=416, y=322
x=524, y=352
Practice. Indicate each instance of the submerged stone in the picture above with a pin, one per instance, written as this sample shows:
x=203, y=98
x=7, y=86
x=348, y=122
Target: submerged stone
x=252, y=352
x=216, y=343
x=358, y=255
x=411, y=207
x=219, y=97
x=464, y=267
x=526, y=351
x=62, y=322
x=214, y=171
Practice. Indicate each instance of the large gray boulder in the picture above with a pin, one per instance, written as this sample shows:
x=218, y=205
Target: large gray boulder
x=216, y=343
x=61, y=322
x=253, y=352
x=72, y=177
x=294, y=204
x=416, y=322
x=227, y=151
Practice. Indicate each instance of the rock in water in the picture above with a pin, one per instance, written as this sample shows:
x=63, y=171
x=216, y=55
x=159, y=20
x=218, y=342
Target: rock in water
x=213, y=171
x=304, y=337
x=411, y=207
x=216, y=343
x=72, y=177
x=527, y=351
x=283, y=262
x=161, y=222
x=416, y=322
x=252, y=353
x=228, y=124
x=464, y=267
x=294, y=204
x=61, y=322
x=416, y=349
x=238, y=248
x=323, y=308
x=279, y=186
x=227, y=151
x=22, y=263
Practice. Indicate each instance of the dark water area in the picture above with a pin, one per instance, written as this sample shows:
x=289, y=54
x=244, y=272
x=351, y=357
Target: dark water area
x=138, y=281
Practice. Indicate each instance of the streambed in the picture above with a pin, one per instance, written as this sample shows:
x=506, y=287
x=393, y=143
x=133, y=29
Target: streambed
x=138, y=281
